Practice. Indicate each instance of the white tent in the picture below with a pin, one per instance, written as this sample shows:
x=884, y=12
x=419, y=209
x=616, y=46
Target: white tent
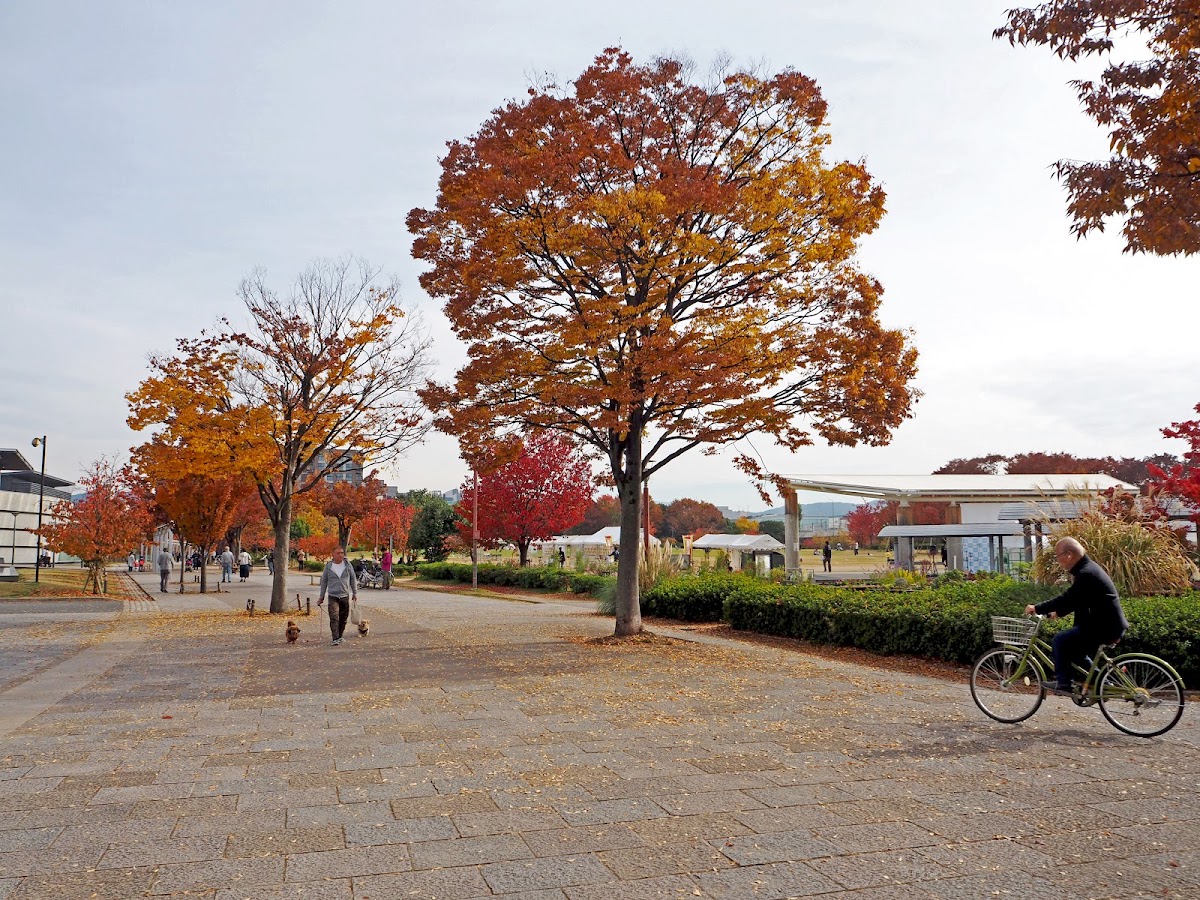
x=743, y=542
x=758, y=547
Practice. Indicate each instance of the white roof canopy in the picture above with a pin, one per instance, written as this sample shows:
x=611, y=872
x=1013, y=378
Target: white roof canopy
x=763, y=543
x=958, y=488
x=973, y=529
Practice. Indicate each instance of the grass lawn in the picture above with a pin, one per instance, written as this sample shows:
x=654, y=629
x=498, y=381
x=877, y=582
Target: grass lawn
x=54, y=582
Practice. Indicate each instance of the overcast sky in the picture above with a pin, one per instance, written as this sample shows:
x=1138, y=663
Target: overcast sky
x=153, y=154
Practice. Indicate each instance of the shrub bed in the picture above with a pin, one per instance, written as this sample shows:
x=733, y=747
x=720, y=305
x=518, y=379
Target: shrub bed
x=694, y=598
x=949, y=621
x=550, y=578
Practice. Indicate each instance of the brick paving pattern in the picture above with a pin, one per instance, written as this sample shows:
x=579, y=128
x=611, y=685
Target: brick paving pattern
x=472, y=748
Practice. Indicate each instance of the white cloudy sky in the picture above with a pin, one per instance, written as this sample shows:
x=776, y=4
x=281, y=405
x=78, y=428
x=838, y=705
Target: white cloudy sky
x=154, y=153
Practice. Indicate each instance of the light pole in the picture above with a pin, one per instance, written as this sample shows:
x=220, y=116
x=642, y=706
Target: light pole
x=37, y=564
x=474, y=530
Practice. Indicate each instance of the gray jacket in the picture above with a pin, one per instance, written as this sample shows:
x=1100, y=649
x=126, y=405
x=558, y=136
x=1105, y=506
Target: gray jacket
x=165, y=561
x=346, y=586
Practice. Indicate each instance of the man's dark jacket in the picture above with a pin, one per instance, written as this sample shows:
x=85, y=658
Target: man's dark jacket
x=1093, y=598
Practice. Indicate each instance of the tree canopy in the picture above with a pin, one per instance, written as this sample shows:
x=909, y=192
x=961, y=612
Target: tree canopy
x=1182, y=478
x=652, y=265
x=110, y=520
x=1130, y=469
x=326, y=370
x=1151, y=108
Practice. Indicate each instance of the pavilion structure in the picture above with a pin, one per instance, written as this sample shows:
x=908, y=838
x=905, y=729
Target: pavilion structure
x=982, y=511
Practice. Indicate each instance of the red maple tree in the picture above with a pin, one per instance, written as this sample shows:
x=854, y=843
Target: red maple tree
x=866, y=520
x=538, y=495
x=106, y=524
x=1182, y=480
x=393, y=520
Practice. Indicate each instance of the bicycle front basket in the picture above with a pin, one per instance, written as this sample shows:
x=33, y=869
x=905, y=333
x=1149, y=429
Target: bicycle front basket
x=1010, y=630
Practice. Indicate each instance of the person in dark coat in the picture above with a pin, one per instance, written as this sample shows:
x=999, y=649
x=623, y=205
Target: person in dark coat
x=1092, y=597
x=827, y=557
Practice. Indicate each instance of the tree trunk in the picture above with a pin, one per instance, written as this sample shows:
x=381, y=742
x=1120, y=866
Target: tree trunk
x=283, y=526
x=203, y=569
x=629, y=492
x=523, y=551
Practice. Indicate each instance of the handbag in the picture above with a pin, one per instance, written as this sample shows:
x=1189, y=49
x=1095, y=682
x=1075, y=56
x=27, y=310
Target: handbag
x=355, y=617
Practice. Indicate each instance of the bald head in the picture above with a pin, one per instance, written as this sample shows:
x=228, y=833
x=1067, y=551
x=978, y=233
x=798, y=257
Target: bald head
x=1069, y=551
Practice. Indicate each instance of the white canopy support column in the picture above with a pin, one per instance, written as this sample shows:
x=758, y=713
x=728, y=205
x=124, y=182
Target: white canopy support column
x=791, y=532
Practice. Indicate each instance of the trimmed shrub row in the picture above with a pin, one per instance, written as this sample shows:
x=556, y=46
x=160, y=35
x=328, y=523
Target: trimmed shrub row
x=950, y=622
x=550, y=578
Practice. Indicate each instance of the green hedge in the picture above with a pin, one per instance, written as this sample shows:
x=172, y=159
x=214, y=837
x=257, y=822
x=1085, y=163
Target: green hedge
x=950, y=621
x=550, y=578
x=694, y=598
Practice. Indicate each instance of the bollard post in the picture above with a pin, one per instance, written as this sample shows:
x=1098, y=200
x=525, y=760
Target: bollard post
x=250, y=606
x=308, y=606
x=297, y=603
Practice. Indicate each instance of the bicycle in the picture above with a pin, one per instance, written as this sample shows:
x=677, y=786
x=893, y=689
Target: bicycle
x=1138, y=693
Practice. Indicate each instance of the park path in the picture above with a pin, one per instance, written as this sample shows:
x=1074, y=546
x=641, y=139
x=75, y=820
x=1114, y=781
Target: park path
x=472, y=747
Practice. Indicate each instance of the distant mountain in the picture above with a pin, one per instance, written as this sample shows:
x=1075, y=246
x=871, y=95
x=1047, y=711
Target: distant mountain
x=826, y=510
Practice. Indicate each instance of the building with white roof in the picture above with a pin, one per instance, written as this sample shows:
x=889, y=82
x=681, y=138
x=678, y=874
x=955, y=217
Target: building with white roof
x=977, y=521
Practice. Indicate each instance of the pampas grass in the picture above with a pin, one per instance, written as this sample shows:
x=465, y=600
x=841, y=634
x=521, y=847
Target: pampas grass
x=1141, y=559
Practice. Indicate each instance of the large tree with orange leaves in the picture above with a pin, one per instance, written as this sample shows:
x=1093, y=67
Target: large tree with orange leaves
x=189, y=490
x=1151, y=108
x=651, y=265
x=328, y=368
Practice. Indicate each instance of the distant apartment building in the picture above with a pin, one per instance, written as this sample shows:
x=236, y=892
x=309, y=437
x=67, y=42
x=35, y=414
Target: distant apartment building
x=347, y=465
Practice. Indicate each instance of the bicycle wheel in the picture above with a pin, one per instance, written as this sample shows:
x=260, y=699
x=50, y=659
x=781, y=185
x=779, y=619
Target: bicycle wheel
x=1000, y=693
x=1141, y=695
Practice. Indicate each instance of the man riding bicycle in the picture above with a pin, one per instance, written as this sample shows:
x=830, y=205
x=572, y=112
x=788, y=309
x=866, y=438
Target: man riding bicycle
x=1092, y=597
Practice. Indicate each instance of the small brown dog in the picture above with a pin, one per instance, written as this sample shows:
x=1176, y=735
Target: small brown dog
x=363, y=627
x=292, y=631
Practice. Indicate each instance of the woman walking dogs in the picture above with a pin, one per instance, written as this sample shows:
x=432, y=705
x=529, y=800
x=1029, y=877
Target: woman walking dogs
x=339, y=582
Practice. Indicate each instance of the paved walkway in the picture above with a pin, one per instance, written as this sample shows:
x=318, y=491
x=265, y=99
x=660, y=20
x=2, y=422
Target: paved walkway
x=471, y=748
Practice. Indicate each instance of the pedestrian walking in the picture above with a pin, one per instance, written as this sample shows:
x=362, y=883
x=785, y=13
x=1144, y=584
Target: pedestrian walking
x=165, y=563
x=227, y=565
x=827, y=557
x=339, y=582
x=244, y=566
x=562, y=558
x=270, y=559
x=131, y=561
x=385, y=563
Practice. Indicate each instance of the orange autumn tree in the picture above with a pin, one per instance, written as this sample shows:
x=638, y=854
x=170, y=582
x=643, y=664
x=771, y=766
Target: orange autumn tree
x=651, y=265
x=189, y=490
x=327, y=369
x=349, y=504
x=1151, y=108
x=394, y=520
x=106, y=524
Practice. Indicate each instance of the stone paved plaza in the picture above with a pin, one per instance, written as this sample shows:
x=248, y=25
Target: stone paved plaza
x=471, y=748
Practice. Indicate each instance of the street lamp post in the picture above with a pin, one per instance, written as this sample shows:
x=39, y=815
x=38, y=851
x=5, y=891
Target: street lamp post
x=37, y=564
x=474, y=530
